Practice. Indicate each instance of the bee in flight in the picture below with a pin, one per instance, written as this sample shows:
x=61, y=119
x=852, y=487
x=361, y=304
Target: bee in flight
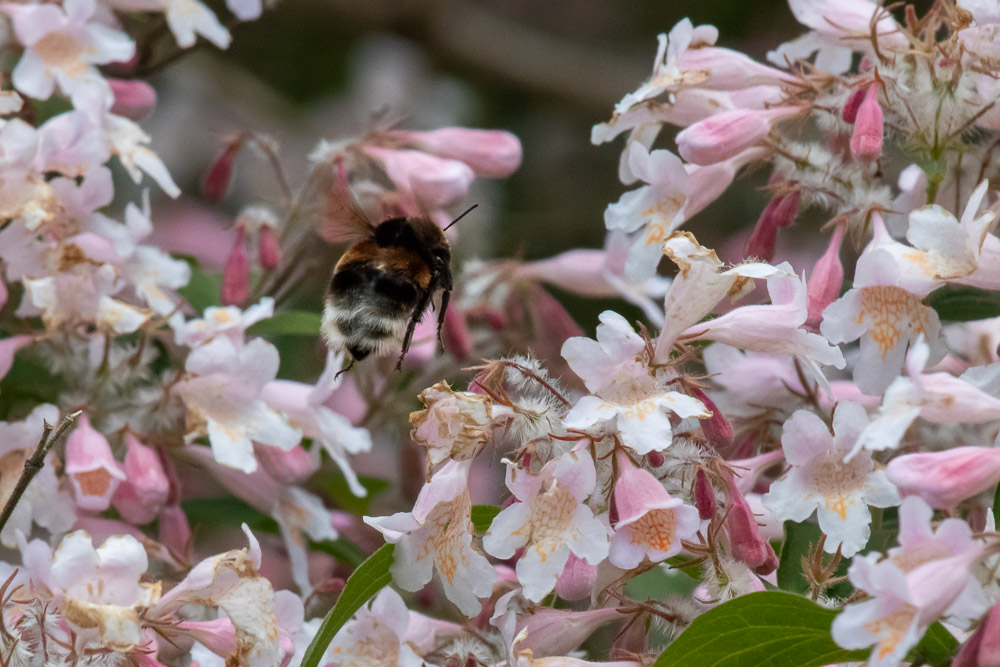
x=384, y=282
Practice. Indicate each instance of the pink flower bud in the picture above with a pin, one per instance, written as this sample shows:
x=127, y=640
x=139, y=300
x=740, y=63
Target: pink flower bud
x=218, y=636
x=577, y=579
x=704, y=496
x=217, y=179
x=655, y=459
x=143, y=493
x=91, y=467
x=866, y=141
x=716, y=428
x=175, y=532
x=236, y=274
x=134, y=99
x=989, y=649
x=435, y=182
x=764, y=237
x=944, y=479
x=292, y=467
x=826, y=280
x=490, y=153
x=268, y=251
x=746, y=542
x=787, y=209
x=851, y=106
x=723, y=135
x=3, y=293
x=455, y=334
x=8, y=348
x=559, y=631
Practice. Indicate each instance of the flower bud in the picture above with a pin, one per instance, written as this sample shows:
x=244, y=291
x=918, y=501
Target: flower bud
x=292, y=467
x=577, y=579
x=716, y=428
x=866, y=141
x=268, y=252
x=944, y=479
x=826, y=280
x=175, y=532
x=723, y=135
x=989, y=649
x=435, y=182
x=787, y=209
x=851, y=106
x=455, y=334
x=134, y=99
x=8, y=348
x=218, y=635
x=3, y=293
x=91, y=467
x=217, y=179
x=764, y=237
x=143, y=493
x=236, y=274
x=655, y=459
x=490, y=153
x=559, y=631
x=704, y=496
x=746, y=542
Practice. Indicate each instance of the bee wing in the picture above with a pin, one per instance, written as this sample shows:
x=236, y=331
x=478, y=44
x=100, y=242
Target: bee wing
x=336, y=215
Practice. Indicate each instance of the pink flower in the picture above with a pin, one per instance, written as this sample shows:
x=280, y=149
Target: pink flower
x=866, y=140
x=825, y=281
x=438, y=534
x=134, y=99
x=944, y=479
x=490, y=153
x=62, y=47
x=550, y=519
x=91, y=467
x=819, y=478
x=577, y=579
x=236, y=274
x=425, y=181
x=651, y=524
x=723, y=135
x=144, y=491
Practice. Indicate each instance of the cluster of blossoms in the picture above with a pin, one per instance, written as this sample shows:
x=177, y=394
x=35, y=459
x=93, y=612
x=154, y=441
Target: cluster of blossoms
x=761, y=405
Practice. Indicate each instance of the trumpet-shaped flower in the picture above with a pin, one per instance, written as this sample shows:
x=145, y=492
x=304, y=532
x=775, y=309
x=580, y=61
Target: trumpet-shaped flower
x=627, y=397
x=550, y=520
x=820, y=479
x=438, y=534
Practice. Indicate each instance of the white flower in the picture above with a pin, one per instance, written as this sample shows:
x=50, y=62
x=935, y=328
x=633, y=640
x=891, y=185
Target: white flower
x=819, y=478
x=62, y=45
x=438, y=534
x=374, y=637
x=627, y=397
x=222, y=395
x=550, y=519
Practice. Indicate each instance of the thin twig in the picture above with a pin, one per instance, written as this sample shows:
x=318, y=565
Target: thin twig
x=35, y=463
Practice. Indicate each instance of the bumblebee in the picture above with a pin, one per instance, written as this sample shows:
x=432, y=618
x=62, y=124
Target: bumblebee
x=382, y=285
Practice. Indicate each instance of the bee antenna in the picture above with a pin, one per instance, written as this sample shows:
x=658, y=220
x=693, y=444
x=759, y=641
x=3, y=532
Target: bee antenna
x=469, y=210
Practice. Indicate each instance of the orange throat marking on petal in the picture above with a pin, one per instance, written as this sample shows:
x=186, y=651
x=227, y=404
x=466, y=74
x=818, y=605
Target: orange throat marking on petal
x=655, y=529
x=551, y=519
x=62, y=51
x=449, y=530
x=93, y=482
x=837, y=481
x=891, y=308
x=891, y=629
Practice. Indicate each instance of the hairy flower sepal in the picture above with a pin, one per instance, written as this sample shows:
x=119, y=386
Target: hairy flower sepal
x=439, y=533
x=630, y=398
x=549, y=519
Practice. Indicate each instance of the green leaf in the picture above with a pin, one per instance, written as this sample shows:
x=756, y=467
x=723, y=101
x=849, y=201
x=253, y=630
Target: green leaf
x=203, y=290
x=228, y=511
x=996, y=506
x=767, y=629
x=483, y=515
x=964, y=304
x=937, y=648
x=289, y=323
x=335, y=484
x=368, y=579
x=799, y=537
x=343, y=550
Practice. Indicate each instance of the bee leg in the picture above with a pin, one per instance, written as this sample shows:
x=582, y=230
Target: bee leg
x=344, y=369
x=414, y=318
x=445, y=297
